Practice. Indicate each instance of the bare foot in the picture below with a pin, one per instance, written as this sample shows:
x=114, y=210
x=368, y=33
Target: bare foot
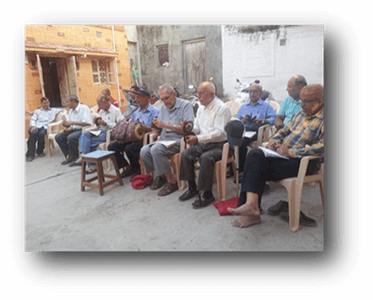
x=246, y=221
x=245, y=210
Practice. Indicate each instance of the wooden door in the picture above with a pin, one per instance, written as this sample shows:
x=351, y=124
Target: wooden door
x=194, y=63
x=71, y=76
x=62, y=80
x=40, y=68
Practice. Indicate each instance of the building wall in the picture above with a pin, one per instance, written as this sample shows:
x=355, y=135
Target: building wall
x=77, y=35
x=150, y=36
x=272, y=54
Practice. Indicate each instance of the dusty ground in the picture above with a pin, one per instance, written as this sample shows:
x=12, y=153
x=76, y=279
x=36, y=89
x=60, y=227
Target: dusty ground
x=59, y=217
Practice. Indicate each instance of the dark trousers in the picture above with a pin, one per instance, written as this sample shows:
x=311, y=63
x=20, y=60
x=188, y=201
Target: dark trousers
x=69, y=143
x=259, y=169
x=243, y=151
x=35, y=136
x=207, y=155
x=132, y=150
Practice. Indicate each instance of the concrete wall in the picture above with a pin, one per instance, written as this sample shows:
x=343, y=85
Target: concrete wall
x=271, y=54
x=150, y=36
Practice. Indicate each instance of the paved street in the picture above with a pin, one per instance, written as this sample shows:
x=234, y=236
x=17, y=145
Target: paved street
x=59, y=217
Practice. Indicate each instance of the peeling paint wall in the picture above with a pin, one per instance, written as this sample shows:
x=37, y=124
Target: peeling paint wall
x=153, y=75
x=272, y=54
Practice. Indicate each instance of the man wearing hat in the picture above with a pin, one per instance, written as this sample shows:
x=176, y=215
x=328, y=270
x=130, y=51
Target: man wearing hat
x=145, y=113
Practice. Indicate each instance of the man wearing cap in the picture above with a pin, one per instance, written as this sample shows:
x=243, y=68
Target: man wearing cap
x=302, y=136
x=173, y=115
x=206, y=146
x=145, y=113
x=254, y=114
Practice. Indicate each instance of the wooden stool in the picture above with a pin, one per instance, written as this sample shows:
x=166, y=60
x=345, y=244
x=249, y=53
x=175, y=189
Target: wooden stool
x=98, y=157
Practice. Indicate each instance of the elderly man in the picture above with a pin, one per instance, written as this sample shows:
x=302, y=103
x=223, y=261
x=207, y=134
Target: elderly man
x=206, y=146
x=254, y=114
x=114, y=102
x=302, y=136
x=38, y=128
x=291, y=104
x=78, y=117
x=174, y=113
x=108, y=117
x=145, y=113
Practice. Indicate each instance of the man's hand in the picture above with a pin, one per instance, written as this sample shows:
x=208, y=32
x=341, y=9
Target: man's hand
x=101, y=122
x=158, y=123
x=191, y=140
x=245, y=119
x=67, y=123
x=272, y=145
x=260, y=121
x=33, y=129
x=283, y=150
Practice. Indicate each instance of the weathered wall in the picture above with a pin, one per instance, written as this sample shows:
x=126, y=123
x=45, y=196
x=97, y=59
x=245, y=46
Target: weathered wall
x=150, y=36
x=78, y=35
x=271, y=54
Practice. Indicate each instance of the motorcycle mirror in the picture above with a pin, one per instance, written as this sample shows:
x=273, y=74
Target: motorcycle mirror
x=237, y=80
x=211, y=78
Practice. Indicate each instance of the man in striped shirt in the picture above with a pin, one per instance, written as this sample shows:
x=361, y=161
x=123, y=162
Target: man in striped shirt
x=302, y=136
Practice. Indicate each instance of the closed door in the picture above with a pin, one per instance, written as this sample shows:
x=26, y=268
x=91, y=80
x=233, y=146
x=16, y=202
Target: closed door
x=194, y=62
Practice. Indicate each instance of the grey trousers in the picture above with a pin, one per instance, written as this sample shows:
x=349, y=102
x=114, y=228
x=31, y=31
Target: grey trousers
x=207, y=155
x=156, y=156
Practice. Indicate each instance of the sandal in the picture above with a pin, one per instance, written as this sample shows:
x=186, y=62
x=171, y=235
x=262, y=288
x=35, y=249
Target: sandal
x=303, y=219
x=168, y=189
x=158, y=182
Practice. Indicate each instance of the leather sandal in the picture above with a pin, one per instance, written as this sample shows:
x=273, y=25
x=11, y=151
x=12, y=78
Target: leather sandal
x=158, y=182
x=168, y=189
x=303, y=219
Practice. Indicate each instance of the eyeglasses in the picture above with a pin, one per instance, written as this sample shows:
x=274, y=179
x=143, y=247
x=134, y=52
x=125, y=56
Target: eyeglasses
x=306, y=101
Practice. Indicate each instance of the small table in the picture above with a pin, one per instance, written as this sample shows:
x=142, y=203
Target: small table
x=98, y=157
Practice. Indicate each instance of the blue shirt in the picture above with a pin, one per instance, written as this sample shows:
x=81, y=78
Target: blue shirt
x=182, y=111
x=261, y=110
x=289, y=108
x=147, y=116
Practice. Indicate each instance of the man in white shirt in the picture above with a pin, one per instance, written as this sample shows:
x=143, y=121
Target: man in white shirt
x=206, y=146
x=108, y=117
x=38, y=128
x=68, y=140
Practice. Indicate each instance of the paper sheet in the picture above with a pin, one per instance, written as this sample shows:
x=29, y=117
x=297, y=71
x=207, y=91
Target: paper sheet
x=250, y=134
x=271, y=153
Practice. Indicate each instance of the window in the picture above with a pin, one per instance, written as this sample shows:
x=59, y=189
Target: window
x=163, y=56
x=103, y=71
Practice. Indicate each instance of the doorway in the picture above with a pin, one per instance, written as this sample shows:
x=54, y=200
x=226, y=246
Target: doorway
x=51, y=81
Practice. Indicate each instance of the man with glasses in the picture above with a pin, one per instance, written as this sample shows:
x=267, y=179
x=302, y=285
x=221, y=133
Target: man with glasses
x=173, y=115
x=302, y=136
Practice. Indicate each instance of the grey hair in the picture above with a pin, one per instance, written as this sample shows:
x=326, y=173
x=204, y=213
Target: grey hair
x=74, y=98
x=258, y=86
x=209, y=85
x=168, y=87
x=103, y=97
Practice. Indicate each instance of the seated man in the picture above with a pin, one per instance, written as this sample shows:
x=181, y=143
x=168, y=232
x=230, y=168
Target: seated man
x=206, y=146
x=132, y=104
x=302, y=136
x=114, y=102
x=291, y=104
x=108, y=117
x=68, y=140
x=172, y=115
x=253, y=114
x=145, y=113
x=38, y=128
